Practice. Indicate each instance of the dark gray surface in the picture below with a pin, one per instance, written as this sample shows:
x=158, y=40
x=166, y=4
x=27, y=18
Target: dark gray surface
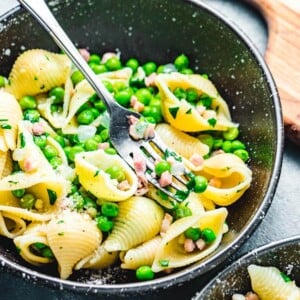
x=282, y=218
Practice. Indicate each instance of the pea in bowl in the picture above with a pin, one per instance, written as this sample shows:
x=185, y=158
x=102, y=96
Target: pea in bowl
x=137, y=44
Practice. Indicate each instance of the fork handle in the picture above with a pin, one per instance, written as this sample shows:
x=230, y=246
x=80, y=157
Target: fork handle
x=41, y=12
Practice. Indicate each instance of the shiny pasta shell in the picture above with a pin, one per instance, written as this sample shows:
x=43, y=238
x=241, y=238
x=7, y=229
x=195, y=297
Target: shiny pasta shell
x=72, y=236
x=11, y=226
x=6, y=165
x=268, y=283
x=38, y=71
x=139, y=220
x=10, y=116
x=185, y=117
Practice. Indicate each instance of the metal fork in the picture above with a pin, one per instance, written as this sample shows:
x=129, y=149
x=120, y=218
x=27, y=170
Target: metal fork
x=119, y=123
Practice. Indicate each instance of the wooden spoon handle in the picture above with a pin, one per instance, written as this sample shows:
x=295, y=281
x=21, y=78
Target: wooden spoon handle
x=283, y=57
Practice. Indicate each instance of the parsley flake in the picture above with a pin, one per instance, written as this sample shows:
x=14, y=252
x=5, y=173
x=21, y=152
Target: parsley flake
x=52, y=196
x=164, y=262
x=5, y=126
x=173, y=111
x=22, y=140
x=212, y=122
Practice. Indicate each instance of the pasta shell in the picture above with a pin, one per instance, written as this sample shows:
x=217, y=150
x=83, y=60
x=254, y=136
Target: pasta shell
x=172, y=251
x=185, y=117
x=11, y=226
x=72, y=236
x=142, y=255
x=10, y=115
x=5, y=163
x=268, y=283
x=182, y=143
x=130, y=227
x=90, y=168
x=100, y=259
x=38, y=71
x=8, y=199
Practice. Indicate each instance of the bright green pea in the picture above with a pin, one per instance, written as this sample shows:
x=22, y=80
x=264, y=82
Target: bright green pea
x=60, y=140
x=55, y=162
x=179, y=93
x=191, y=95
x=104, y=224
x=207, y=139
x=98, y=69
x=133, y=64
x=226, y=146
x=119, y=86
x=236, y=145
x=40, y=140
x=217, y=143
x=19, y=193
x=39, y=246
x=161, y=167
x=74, y=188
x=108, y=86
x=76, y=77
x=97, y=138
x=50, y=152
x=242, y=154
x=83, y=107
x=143, y=95
x=187, y=71
x=123, y=97
x=208, y=235
x=205, y=76
x=144, y=273
x=57, y=94
x=2, y=81
x=31, y=115
x=113, y=64
x=193, y=233
x=181, y=62
x=154, y=112
x=149, y=67
x=110, y=209
x=160, y=69
x=116, y=172
x=91, y=144
x=150, y=119
x=85, y=117
x=104, y=135
x=200, y=184
x=182, y=211
x=205, y=101
x=27, y=201
x=73, y=151
x=95, y=59
x=67, y=151
x=47, y=252
x=95, y=112
x=155, y=102
x=231, y=134
x=110, y=151
x=54, y=108
x=100, y=105
x=28, y=102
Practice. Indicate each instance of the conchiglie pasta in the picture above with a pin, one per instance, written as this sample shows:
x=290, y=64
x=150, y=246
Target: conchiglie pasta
x=268, y=283
x=38, y=71
x=10, y=115
x=139, y=220
x=171, y=249
x=5, y=163
x=71, y=237
x=90, y=168
x=181, y=114
x=11, y=226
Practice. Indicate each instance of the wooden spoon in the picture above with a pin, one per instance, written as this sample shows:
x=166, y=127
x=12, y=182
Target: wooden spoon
x=283, y=57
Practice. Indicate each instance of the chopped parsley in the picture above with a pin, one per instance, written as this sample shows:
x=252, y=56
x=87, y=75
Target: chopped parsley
x=181, y=195
x=35, y=78
x=173, y=111
x=13, y=182
x=212, y=122
x=3, y=120
x=189, y=111
x=173, y=154
x=96, y=173
x=5, y=126
x=61, y=233
x=22, y=140
x=52, y=196
x=60, y=221
x=164, y=262
x=42, y=87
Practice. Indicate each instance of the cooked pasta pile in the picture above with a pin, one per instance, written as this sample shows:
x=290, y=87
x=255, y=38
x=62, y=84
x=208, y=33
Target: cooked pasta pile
x=67, y=197
x=269, y=283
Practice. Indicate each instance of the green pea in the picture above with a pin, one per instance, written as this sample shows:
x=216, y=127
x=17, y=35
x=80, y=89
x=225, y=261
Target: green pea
x=116, y=172
x=28, y=102
x=58, y=94
x=113, y=64
x=97, y=138
x=95, y=59
x=181, y=62
x=193, y=233
x=149, y=67
x=231, y=134
x=50, y=152
x=104, y=135
x=55, y=162
x=98, y=69
x=205, y=76
x=123, y=97
x=31, y=115
x=19, y=193
x=208, y=235
x=85, y=106
x=60, y=140
x=236, y=145
x=110, y=151
x=74, y=189
x=88, y=202
x=67, y=151
x=154, y=112
x=119, y=86
x=47, y=252
x=191, y=95
x=110, y=209
x=73, y=139
x=160, y=69
x=85, y=117
x=217, y=143
x=27, y=201
x=200, y=184
x=155, y=102
x=207, y=139
x=143, y=95
x=76, y=77
x=161, y=167
x=180, y=93
x=95, y=112
x=91, y=144
x=144, y=273
x=104, y=224
x=108, y=86
x=226, y=146
x=2, y=81
x=54, y=108
x=187, y=71
x=150, y=119
x=133, y=64
x=182, y=211
x=242, y=154
x=73, y=151
x=205, y=101
x=40, y=140
x=100, y=105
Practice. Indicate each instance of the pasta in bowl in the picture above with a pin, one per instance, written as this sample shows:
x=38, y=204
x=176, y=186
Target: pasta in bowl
x=67, y=126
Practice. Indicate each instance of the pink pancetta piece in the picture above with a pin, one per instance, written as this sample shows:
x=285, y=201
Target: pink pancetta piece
x=200, y=244
x=215, y=182
x=251, y=296
x=139, y=163
x=136, y=105
x=166, y=223
x=165, y=179
x=103, y=146
x=150, y=131
x=106, y=56
x=189, y=245
x=85, y=54
x=124, y=185
x=150, y=80
x=38, y=129
x=29, y=165
x=196, y=159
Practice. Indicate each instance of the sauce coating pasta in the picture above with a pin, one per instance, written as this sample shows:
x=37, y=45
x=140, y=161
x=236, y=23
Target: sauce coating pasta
x=63, y=185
